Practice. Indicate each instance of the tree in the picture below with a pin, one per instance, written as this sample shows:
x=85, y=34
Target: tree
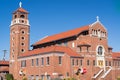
x=9, y=77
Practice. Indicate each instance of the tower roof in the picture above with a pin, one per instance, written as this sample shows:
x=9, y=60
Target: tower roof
x=21, y=10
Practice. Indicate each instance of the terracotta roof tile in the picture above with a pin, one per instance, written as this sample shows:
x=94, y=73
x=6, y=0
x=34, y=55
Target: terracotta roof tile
x=4, y=62
x=116, y=55
x=21, y=10
x=62, y=35
x=66, y=50
x=3, y=69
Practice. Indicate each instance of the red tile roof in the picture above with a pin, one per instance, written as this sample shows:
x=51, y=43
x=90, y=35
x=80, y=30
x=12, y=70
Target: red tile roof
x=4, y=62
x=62, y=35
x=64, y=49
x=116, y=55
x=4, y=69
x=21, y=10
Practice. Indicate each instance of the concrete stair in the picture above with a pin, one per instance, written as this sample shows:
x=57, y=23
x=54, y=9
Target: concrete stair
x=103, y=75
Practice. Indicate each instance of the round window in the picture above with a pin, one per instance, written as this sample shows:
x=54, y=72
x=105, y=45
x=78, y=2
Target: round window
x=22, y=38
x=23, y=32
x=22, y=50
x=22, y=44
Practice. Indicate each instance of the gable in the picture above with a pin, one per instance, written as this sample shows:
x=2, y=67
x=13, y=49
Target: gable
x=98, y=25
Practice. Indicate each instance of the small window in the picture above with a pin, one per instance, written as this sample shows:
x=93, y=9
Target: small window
x=22, y=44
x=37, y=77
x=22, y=50
x=48, y=77
x=23, y=32
x=48, y=60
x=106, y=63
x=77, y=62
x=15, y=16
x=32, y=77
x=13, y=50
x=60, y=60
x=67, y=74
x=88, y=62
x=80, y=49
x=22, y=38
x=22, y=21
x=81, y=62
x=73, y=62
x=42, y=61
x=37, y=61
x=32, y=62
x=42, y=77
x=87, y=49
x=93, y=62
x=109, y=63
x=23, y=63
x=22, y=16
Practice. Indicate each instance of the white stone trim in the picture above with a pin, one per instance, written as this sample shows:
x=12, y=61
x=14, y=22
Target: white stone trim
x=98, y=73
x=17, y=21
x=107, y=72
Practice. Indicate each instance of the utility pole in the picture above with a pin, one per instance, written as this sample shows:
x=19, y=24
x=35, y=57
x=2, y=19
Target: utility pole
x=4, y=51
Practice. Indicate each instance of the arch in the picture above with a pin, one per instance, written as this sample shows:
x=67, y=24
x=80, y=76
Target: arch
x=22, y=16
x=100, y=50
x=15, y=16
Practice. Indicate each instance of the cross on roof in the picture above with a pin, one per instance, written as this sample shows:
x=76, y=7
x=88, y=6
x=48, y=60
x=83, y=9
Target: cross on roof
x=97, y=18
x=20, y=4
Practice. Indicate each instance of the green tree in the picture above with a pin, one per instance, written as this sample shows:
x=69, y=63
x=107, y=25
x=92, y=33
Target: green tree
x=9, y=77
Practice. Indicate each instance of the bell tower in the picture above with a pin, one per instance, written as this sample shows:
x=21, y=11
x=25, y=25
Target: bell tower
x=19, y=37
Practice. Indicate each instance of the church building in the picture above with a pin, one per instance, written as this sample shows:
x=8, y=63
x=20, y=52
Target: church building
x=82, y=53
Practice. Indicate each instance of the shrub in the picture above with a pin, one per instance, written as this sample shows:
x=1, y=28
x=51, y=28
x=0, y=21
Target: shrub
x=118, y=78
x=25, y=78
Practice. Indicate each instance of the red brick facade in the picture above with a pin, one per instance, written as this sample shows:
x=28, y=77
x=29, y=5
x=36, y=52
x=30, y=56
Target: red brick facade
x=61, y=55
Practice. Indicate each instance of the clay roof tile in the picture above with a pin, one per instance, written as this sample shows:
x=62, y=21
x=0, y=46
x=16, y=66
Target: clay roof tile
x=66, y=50
x=116, y=55
x=62, y=35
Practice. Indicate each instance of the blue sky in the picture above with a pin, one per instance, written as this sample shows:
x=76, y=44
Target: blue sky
x=49, y=17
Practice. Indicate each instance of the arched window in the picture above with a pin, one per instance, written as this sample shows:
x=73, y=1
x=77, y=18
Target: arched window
x=100, y=50
x=15, y=16
x=22, y=16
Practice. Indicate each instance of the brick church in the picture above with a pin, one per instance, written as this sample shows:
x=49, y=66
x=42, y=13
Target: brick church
x=79, y=53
